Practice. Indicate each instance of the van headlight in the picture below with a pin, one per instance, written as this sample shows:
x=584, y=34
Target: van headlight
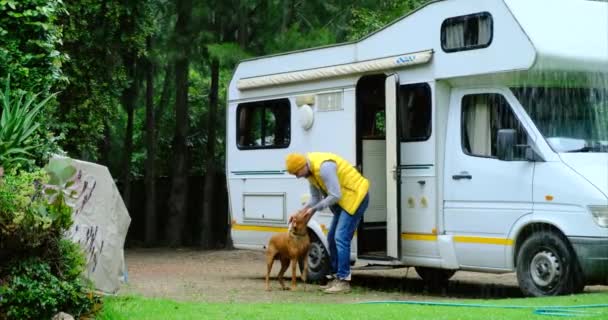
x=600, y=215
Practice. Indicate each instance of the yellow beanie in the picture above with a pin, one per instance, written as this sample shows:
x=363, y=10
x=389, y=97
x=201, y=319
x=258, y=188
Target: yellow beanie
x=294, y=162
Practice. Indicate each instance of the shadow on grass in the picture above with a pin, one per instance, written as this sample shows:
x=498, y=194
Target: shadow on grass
x=461, y=289
x=452, y=289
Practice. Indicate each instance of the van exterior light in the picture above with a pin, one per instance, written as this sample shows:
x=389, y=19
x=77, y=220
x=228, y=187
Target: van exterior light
x=600, y=215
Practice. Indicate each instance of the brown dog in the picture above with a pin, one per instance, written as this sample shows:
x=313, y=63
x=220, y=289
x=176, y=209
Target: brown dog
x=289, y=247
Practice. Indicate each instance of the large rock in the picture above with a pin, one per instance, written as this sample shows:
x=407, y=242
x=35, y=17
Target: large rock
x=101, y=221
x=63, y=316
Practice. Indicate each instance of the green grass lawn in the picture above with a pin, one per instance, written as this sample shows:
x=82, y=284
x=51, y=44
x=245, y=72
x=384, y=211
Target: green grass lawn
x=133, y=307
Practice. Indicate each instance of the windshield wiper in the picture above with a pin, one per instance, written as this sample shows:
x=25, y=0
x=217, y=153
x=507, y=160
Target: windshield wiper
x=595, y=148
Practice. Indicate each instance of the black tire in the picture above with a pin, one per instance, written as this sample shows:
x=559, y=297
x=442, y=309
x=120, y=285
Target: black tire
x=318, y=260
x=547, y=266
x=435, y=276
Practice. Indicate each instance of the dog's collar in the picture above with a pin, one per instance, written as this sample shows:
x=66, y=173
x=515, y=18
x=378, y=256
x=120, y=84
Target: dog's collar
x=297, y=234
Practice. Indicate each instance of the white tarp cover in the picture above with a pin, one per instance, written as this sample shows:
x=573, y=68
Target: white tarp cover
x=101, y=222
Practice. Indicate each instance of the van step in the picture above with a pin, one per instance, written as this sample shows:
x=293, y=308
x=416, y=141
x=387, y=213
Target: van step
x=376, y=256
x=378, y=267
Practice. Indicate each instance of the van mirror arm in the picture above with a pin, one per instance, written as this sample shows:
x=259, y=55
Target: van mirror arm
x=532, y=154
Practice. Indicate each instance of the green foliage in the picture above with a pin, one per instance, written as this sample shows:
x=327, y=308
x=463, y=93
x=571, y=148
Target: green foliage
x=18, y=127
x=40, y=273
x=295, y=39
x=61, y=179
x=98, y=34
x=31, y=291
x=29, y=43
x=70, y=260
x=33, y=206
x=92, y=38
x=372, y=17
x=228, y=53
x=25, y=221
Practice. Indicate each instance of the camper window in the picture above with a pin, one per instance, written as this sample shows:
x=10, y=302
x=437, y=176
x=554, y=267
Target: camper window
x=482, y=116
x=468, y=32
x=415, y=112
x=264, y=124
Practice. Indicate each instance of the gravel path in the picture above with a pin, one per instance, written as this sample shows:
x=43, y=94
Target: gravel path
x=238, y=276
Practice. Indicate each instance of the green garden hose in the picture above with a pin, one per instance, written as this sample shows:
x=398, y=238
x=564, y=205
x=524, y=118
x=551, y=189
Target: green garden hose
x=560, y=311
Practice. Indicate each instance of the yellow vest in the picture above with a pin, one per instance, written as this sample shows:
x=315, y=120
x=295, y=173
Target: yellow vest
x=353, y=185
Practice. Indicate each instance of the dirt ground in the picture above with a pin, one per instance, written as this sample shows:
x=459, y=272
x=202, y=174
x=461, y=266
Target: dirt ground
x=238, y=276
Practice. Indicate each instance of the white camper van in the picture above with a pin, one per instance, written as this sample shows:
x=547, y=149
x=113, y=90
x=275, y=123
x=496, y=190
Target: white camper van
x=481, y=124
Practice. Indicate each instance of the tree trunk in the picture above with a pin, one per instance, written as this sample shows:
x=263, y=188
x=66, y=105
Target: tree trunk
x=129, y=97
x=242, y=31
x=287, y=15
x=165, y=96
x=106, y=144
x=179, y=185
x=150, y=173
x=208, y=238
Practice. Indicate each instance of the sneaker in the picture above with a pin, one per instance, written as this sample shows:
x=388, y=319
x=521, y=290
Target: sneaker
x=330, y=283
x=341, y=286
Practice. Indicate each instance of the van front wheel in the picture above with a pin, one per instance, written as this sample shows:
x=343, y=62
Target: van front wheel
x=546, y=266
x=318, y=260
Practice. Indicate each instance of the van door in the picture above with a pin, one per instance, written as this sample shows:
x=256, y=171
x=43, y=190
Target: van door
x=484, y=194
x=393, y=171
x=411, y=179
x=418, y=174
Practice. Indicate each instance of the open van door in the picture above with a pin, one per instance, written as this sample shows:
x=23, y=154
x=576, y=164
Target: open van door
x=393, y=171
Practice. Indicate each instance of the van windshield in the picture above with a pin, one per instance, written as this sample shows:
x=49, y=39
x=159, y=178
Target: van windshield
x=570, y=119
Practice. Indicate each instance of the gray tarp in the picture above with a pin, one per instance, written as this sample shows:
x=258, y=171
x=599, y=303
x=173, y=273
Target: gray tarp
x=101, y=221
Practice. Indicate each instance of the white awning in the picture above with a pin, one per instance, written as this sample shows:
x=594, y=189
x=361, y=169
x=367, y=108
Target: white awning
x=394, y=62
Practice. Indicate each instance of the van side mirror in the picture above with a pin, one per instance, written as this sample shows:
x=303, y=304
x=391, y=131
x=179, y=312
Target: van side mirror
x=506, y=147
x=505, y=144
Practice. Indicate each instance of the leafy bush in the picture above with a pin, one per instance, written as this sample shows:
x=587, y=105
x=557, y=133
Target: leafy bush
x=68, y=259
x=30, y=40
x=40, y=272
x=32, y=291
x=25, y=221
x=19, y=135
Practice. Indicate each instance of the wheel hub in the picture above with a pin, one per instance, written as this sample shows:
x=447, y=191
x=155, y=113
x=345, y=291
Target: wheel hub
x=545, y=269
x=315, y=254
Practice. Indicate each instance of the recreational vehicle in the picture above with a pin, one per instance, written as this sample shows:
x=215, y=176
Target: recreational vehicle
x=482, y=126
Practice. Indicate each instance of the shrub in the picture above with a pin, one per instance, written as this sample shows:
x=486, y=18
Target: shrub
x=34, y=205
x=20, y=139
x=24, y=221
x=40, y=272
x=32, y=291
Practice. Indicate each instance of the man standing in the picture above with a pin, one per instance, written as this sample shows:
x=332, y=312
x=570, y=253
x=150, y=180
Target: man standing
x=336, y=184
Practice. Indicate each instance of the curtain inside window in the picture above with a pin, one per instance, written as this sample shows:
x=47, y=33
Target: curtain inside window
x=477, y=120
x=455, y=35
x=485, y=30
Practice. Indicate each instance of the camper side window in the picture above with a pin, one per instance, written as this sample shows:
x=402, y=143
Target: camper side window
x=474, y=31
x=415, y=110
x=482, y=116
x=264, y=124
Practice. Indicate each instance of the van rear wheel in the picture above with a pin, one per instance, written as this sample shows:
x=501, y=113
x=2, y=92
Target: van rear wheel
x=546, y=266
x=318, y=260
x=435, y=276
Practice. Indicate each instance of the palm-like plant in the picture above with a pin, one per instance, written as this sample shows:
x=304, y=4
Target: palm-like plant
x=17, y=124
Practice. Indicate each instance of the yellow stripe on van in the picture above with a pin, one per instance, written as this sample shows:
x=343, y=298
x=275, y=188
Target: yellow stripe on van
x=241, y=227
x=484, y=240
x=404, y=236
x=419, y=237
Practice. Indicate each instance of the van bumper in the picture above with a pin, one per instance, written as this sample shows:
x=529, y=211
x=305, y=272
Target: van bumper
x=592, y=255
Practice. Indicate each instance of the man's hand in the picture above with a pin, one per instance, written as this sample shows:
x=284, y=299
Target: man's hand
x=308, y=213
